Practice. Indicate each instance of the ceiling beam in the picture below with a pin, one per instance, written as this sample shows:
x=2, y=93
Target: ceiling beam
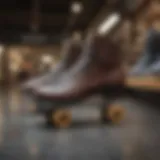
x=35, y=12
x=25, y=18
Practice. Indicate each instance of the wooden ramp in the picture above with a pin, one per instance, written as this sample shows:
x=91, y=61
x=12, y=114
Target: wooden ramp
x=151, y=83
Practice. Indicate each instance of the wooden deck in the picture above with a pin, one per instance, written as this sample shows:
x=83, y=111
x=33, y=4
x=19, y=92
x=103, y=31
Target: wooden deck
x=146, y=83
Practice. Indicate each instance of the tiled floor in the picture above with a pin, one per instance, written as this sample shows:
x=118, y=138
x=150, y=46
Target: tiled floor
x=23, y=134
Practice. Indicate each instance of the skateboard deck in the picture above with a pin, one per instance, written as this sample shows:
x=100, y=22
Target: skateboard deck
x=151, y=83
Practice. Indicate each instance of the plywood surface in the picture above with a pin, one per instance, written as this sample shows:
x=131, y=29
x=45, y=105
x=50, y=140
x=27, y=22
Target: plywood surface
x=144, y=82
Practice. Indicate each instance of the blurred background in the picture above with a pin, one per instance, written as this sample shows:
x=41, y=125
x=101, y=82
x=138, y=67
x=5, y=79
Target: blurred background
x=33, y=32
x=32, y=38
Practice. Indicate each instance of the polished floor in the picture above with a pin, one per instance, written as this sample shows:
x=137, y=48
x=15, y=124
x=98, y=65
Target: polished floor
x=24, y=135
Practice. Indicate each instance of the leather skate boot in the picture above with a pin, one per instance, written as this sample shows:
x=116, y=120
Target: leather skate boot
x=100, y=66
x=71, y=54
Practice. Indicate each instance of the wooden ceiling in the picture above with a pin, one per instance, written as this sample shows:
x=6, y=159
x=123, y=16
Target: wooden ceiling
x=48, y=16
x=52, y=18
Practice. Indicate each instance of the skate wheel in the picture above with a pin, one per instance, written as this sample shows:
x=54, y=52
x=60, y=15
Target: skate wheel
x=61, y=118
x=115, y=113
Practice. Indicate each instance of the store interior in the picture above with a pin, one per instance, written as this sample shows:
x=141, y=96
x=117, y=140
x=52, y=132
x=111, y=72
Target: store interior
x=79, y=80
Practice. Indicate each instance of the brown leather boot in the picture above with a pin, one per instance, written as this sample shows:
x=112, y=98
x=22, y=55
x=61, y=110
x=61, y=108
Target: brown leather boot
x=70, y=56
x=100, y=66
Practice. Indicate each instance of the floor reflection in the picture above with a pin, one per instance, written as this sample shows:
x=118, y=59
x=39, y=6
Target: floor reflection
x=23, y=135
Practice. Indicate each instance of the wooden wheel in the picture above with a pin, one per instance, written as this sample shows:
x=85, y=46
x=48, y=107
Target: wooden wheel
x=115, y=113
x=61, y=118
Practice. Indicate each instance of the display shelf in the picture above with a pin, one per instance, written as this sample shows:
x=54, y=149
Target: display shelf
x=144, y=82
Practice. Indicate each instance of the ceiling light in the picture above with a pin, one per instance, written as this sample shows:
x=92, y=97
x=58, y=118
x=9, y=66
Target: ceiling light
x=109, y=23
x=76, y=7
